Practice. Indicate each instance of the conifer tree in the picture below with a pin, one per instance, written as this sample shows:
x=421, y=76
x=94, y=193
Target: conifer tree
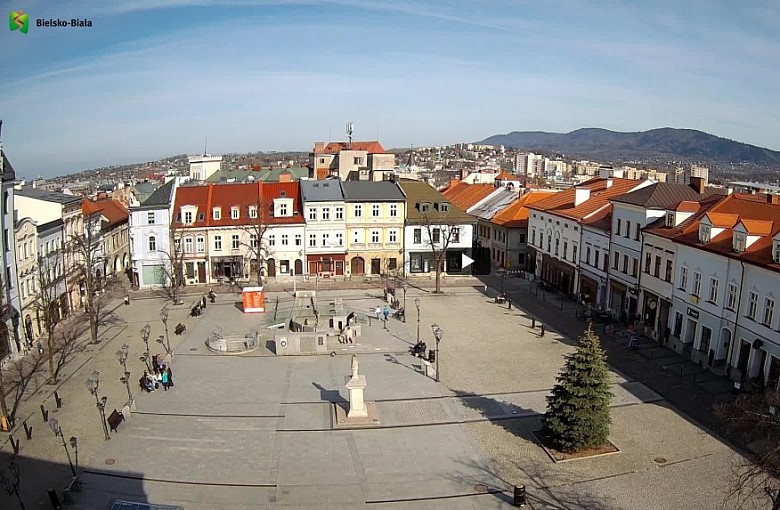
x=577, y=414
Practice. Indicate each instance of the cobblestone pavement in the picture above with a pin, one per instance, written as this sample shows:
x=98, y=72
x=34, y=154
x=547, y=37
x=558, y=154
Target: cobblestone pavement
x=256, y=431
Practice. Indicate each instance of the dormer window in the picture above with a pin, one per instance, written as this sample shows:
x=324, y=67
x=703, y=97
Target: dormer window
x=444, y=207
x=739, y=242
x=216, y=213
x=234, y=213
x=776, y=252
x=704, y=233
x=425, y=207
x=669, y=219
x=252, y=211
x=188, y=218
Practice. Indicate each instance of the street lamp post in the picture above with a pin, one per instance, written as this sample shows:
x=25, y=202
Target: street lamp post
x=93, y=384
x=12, y=486
x=74, y=443
x=55, y=427
x=417, y=304
x=404, y=286
x=145, y=332
x=164, y=319
x=121, y=356
x=438, y=333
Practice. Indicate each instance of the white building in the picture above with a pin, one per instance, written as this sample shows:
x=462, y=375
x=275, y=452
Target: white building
x=594, y=258
x=150, y=237
x=326, y=227
x=204, y=166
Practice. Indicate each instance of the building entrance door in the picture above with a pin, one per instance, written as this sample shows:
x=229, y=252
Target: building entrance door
x=357, y=266
x=339, y=268
x=376, y=266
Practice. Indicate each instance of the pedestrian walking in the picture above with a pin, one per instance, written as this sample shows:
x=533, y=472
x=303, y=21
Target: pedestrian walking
x=378, y=313
x=386, y=312
x=170, y=376
x=127, y=299
x=164, y=379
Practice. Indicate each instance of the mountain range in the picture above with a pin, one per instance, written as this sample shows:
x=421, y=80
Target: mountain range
x=665, y=144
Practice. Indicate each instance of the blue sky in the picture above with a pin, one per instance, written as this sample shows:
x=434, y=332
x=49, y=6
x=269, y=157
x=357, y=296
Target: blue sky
x=153, y=78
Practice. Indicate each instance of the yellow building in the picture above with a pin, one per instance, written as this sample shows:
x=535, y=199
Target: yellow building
x=375, y=213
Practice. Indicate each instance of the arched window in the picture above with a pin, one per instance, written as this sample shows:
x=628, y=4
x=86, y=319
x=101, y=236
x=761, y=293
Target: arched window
x=152, y=243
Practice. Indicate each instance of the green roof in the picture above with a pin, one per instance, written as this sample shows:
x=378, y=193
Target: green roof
x=265, y=175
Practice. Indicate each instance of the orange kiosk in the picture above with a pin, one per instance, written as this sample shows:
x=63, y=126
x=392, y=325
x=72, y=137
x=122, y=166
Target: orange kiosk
x=253, y=299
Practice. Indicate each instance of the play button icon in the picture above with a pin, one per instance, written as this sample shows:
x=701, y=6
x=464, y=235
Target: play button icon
x=465, y=261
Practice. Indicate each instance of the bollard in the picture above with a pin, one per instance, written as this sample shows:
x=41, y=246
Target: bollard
x=541, y=333
x=55, y=500
x=45, y=414
x=14, y=444
x=533, y=322
x=27, y=430
x=508, y=303
x=519, y=495
x=58, y=400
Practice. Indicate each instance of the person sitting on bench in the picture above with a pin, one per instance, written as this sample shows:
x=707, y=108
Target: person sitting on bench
x=146, y=381
x=419, y=349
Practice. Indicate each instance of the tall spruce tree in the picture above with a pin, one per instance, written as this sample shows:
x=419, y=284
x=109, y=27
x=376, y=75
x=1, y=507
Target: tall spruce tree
x=577, y=414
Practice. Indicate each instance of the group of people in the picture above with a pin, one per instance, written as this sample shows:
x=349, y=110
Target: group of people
x=379, y=312
x=419, y=349
x=162, y=375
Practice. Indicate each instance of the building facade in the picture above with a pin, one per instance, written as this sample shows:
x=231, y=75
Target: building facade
x=149, y=232
x=324, y=210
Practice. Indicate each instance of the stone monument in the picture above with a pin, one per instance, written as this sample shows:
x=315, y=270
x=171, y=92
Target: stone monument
x=355, y=385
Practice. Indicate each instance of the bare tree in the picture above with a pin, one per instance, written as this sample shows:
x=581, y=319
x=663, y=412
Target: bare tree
x=17, y=376
x=48, y=275
x=755, y=418
x=256, y=227
x=65, y=345
x=442, y=230
x=88, y=258
x=173, y=268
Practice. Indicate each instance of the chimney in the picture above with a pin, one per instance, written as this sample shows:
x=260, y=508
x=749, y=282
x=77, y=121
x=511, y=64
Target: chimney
x=697, y=183
x=609, y=182
x=580, y=195
x=454, y=181
x=285, y=176
x=319, y=147
x=773, y=198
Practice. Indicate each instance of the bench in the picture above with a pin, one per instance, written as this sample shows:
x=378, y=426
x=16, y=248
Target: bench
x=115, y=419
x=180, y=328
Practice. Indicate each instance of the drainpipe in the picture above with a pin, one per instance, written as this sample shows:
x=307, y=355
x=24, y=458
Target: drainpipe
x=734, y=339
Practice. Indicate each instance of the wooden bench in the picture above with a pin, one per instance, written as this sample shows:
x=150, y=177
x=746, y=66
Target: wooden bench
x=180, y=328
x=115, y=419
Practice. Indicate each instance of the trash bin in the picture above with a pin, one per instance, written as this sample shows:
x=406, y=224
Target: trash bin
x=432, y=356
x=519, y=496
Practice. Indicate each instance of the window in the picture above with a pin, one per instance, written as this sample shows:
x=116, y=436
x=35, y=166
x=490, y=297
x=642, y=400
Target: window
x=739, y=243
x=657, y=268
x=455, y=235
x=628, y=229
x=375, y=236
x=557, y=245
x=776, y=252
x=565, y=248
x=704, y=233
x=234, y=213
x=425, y=207
x=625, y=264
x=357, y=236
x=187, y=245
x=636, y=233
x=634, y=267
x=670, y=220
x=706, y=336
x=325, y=239
x=393, y=210
x=218, y=243
x=619, y=228
x=339, y=213
x=358, y=210
x=253, y=241
x=417, y=236
x=375, y=210
x=285, y=239
x=234, y=242
x=200, y=244
x=436, y=235
x=574, y=252
x=696, y=283
x=326, y=213
x=339, y=239
x=752, y=305
x=201, y=216
x=769, y=311
x=616, y=261
x=731, y=297
x=684, y=278
x=312, y=214
x=596, y=258
x=298, y=240
x=392, y=236
x=669, y=270
x=444, y=207
x=648, y=261
x=521, y=238
x=152, y=243
x=150, y=218
x=416, y=263
x=272, y=240
x=216, y=213
x=392, y=263
x=312, y=240
x=548, y=242
x=714, y=290
x=252, y=211
x=283, y=212
x=188, y=218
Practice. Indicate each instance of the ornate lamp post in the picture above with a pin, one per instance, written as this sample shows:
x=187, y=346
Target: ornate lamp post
x=145, y=332
x=164, y=319
x=417, y=304
x=439, y=334
x=55, y=427
x=12, y=486
x=74, y=443
x=121, y=356
x=93, y=384
x=404, y=286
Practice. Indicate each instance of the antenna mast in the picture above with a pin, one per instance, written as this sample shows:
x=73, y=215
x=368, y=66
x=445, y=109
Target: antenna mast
x=350, y=129
x=205, y=145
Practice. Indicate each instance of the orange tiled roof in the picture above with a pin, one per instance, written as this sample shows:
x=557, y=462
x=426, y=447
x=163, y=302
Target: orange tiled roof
x=758, y=227
x=506, y=176
x=112, y=210
x=465, y=195
x=516, y=214
x=722, y=220
x=562, y=203
x=687, y=206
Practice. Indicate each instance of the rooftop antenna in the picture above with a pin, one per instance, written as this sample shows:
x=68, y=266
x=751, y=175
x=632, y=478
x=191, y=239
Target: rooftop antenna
x=205, y=145
x=350, y=129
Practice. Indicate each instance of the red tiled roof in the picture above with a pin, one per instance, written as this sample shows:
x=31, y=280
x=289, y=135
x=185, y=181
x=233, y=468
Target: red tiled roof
x=601, y=220
x=372, y=147
x=112, y=210
x=562, y=203
x=506, y=176
x=758, y=227
x=687, y=206
x=722, y=220
x=515, y=215
x=241, y=195
x=465, y=195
